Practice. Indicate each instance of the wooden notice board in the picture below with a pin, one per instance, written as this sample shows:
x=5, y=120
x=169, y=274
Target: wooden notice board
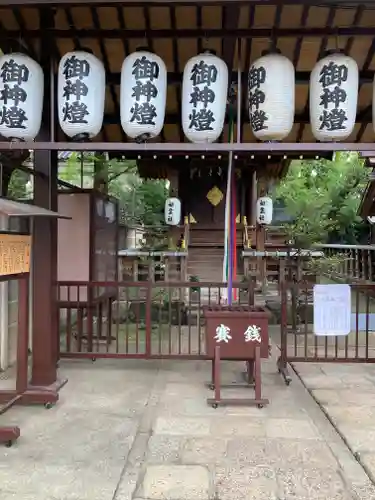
x=14, y=253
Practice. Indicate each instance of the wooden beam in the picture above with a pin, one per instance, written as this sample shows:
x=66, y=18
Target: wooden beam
x=195, y=33
x=177, y=148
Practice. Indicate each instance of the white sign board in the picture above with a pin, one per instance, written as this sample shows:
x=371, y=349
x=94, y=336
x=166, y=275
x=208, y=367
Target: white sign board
x=332, y=310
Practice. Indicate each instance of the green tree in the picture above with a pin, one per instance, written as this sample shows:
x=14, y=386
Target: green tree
x=142, y=201
x=17, y=188
x=322, y=198
x=109, y=170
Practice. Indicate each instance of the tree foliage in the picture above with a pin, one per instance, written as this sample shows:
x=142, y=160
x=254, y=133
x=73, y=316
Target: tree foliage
x=322, y=198
x=141, y=201
x=78, y=170
x=17, y=188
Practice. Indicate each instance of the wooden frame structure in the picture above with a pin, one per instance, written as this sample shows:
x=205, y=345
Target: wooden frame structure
x=15, y=265
x=176, y=30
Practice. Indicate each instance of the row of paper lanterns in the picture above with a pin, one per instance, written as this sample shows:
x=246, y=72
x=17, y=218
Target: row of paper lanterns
x=271, y=94
x=264, y=211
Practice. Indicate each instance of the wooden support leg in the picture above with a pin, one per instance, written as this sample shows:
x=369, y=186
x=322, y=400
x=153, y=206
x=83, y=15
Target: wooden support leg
x=39, y=397
x=282, y=368
x=90, y=328
x=217, y=376
x=258, y=374
x=250, y=371
x=258, y=380
x=109, y=322
x=100, y=321
x=212, y=386
x=8, y=435
x=214, y=402
x=23, y=336
x=79, y=328
x=254, y=370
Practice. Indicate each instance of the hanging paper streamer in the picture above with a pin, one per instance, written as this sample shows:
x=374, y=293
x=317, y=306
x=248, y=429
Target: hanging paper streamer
x=232, y=240
x=234, y=232
x=230, y=227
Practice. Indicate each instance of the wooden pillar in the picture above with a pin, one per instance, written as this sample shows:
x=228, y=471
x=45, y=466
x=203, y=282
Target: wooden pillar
x=45, y=341
x=100, y=173
x=253, y=199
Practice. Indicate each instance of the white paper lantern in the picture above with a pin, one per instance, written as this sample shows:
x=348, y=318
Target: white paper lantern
x=81, y=94
x=21, y=97
x=204, y=97
x=271, y=89
x=264, y=210
x=143, y=95
x=333, y=97
x=172, y=212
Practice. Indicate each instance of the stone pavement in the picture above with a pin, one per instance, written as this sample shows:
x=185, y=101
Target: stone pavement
x=142, y=430
x=346, y=393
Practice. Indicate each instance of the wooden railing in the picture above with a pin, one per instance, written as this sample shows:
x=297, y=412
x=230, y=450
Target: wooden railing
x=160, y=237
x=356, y=262
x=273, y=267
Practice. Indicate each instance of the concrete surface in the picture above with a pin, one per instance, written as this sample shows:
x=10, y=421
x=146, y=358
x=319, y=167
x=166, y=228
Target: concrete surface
x=346, y=393
x=142, y=430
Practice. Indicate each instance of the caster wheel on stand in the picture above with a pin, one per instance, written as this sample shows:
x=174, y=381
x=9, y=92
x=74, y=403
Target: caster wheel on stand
x=214, y=405
x=48, y=406
x=212, y=387
x=8, y=444
x=260, y=406
x=93, y=360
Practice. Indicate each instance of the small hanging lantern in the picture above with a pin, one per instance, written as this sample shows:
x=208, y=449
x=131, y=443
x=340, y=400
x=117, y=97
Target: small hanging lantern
x=143, y=95
x=172, y=211
x=21, y=97
x=204, y=97
x=264, y=210
x=81, y=95
x=333, y=97
x=271, y=88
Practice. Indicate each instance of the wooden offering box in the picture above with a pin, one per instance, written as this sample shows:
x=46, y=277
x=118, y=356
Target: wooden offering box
x=238, y=333
x=238, y=319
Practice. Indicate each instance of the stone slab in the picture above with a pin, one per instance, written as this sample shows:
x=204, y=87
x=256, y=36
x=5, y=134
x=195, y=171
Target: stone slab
x=176, y=482
x=163, y=448
x=368, y=460
x=182, y=426
x=203, y=451
x=238, y=426
x=290, y=428
x=245, y=482
x=310, y=483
